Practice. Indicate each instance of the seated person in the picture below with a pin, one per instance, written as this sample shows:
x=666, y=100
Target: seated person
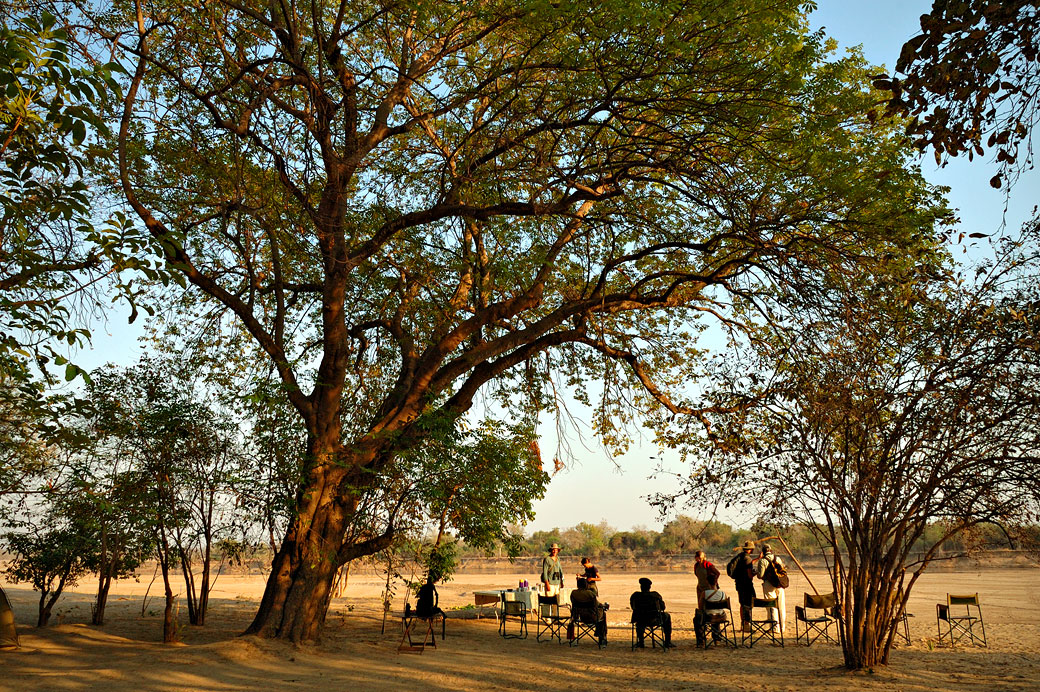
x=586, y=607
x=646, y=605
x=713, y=594
x=426, y=600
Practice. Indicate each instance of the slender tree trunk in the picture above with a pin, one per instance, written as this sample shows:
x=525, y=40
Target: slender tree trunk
x=203, y=598
x=44, y=612
x=47, y=605
x=104, y=584
x=97, y=615
x=189, y=586
x=169, y=626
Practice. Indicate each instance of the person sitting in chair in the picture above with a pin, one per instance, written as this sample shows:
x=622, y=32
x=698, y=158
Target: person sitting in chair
x=713, y=594
x=586, y=606
x=426, y=600
x=646, y=606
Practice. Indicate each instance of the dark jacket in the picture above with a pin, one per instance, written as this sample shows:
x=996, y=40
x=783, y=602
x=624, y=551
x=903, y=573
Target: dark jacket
x=645, y=605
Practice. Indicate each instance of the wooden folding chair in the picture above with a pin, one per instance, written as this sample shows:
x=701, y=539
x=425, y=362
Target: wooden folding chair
x=408, y=624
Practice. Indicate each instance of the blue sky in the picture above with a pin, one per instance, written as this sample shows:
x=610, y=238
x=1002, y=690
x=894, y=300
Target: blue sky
x=596, y=488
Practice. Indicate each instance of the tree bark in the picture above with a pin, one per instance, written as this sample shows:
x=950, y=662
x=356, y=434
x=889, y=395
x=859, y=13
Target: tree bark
x=104, y=584
x=298, y=590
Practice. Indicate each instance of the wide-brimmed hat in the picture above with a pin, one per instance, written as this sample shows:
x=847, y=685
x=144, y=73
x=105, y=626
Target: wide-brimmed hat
x=554, y=546
x=748, y=545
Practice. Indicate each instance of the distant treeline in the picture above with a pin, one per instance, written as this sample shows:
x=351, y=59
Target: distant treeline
x=684, y=535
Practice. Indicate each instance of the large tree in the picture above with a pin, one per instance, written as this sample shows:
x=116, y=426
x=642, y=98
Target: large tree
x=405, y=205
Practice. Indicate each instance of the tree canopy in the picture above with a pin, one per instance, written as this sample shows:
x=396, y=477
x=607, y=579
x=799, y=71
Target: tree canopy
x=971, y=81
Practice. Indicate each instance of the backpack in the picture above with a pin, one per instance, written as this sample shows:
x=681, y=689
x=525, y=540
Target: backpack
x=732, y=566
x=776, y=574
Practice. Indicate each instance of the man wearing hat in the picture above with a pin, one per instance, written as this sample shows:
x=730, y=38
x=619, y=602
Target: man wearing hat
x=742, y=569
x=646, y=606
x=552, y=571
x=771, y=587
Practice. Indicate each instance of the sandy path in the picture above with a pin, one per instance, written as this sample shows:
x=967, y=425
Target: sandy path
x=126, y=654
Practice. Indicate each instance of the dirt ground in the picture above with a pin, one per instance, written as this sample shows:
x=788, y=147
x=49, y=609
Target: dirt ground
x=126, y=653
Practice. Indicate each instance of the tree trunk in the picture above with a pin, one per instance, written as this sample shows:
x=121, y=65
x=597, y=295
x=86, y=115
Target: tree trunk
x=190, y=594
x=873, y=598
x=97, y=617
x=297, y=594
x=169, y=625
x=45, y=611
x=202, y=602
x=47, y=605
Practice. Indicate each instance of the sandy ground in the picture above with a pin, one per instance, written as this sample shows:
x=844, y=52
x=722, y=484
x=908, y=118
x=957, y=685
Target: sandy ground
x=126, y=653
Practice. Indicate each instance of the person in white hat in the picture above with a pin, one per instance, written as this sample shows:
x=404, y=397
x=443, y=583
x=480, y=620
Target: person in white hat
x=552, y=571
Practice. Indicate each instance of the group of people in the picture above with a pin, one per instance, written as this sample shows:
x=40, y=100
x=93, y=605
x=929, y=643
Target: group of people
x=768, y=568
x=648, y=606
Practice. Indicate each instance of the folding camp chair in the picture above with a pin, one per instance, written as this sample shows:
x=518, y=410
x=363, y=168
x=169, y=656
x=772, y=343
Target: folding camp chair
x=550, y=622
x=515, y=611
x=409, y=622
x=719, y=617
x=817, y=624
x=902, y=623
x=582, y=624
x=960, y=627
x=769, y=627
x=653, y=628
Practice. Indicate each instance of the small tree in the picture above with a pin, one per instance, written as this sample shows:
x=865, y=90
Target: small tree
x=897, y=416
x=50, y=555
x=118, y=512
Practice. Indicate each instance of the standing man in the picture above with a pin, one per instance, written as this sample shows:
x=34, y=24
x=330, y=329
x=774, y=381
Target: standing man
x=742, y=569
x=552, y=572
x=768, y=569
x=706, y=573
x=590, y=574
